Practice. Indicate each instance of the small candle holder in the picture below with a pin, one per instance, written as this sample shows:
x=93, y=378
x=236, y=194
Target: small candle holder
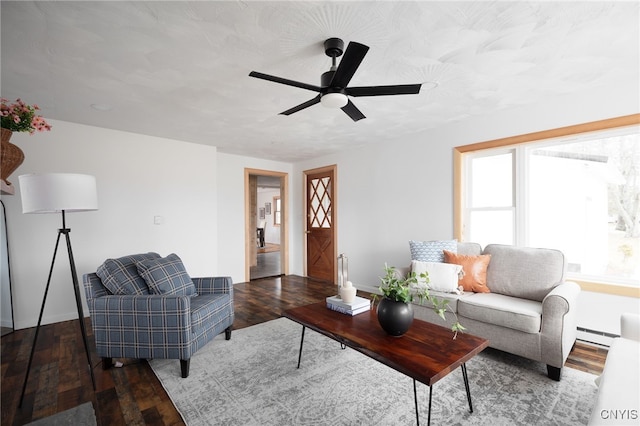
x=343, y=271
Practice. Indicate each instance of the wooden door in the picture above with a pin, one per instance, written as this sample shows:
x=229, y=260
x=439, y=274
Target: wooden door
x=320, y=230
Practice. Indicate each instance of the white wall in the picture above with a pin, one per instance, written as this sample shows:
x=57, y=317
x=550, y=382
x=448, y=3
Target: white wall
x=397, y=190
x=138, y=177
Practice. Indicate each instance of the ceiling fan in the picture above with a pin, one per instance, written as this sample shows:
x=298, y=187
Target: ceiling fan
x=333, y=91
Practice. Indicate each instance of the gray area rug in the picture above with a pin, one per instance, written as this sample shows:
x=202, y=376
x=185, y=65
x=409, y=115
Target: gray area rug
x=82, y=415
x=252, y=380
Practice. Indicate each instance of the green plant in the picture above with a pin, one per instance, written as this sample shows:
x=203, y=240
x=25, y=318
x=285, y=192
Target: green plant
x=20, y=117
x=404, y=289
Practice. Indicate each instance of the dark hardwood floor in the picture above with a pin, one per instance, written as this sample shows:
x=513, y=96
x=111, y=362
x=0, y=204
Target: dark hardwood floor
x=132, y=395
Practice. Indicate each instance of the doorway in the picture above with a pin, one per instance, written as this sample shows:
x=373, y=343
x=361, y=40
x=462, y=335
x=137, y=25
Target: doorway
x=266, y=224
x=321, y=227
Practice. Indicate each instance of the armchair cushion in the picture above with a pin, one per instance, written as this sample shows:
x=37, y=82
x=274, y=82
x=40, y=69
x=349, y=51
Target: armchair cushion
x=208, y=309
x=166, y=276
x=120, y=276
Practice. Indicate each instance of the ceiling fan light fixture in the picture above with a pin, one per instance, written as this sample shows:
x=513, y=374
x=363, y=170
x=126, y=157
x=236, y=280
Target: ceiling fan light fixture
x=334, y=100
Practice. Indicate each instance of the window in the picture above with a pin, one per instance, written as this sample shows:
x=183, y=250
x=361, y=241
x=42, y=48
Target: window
x=491, y=198
x=276, y=211
x=578, y=192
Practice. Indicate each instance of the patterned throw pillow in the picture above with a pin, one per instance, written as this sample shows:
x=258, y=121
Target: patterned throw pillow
x=167, y=276
x=474, y=269
x=431, y=251
x=120, y=276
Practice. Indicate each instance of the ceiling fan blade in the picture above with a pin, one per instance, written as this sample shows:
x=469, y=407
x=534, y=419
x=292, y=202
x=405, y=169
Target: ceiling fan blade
x=399, y=89
x=352, y=111
x=349, y=63
x=284, y=81
x=302, y=106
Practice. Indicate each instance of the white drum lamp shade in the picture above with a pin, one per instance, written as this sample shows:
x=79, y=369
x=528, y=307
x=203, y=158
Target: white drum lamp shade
x=334, y=100
x=57, y=192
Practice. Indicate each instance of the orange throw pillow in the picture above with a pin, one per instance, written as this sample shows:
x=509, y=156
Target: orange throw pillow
x=474, y=270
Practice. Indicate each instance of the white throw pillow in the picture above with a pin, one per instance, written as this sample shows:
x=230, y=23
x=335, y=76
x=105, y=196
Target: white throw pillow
x=442, y=276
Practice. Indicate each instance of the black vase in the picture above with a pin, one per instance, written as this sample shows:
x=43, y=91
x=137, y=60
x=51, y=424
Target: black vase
x=394, y=317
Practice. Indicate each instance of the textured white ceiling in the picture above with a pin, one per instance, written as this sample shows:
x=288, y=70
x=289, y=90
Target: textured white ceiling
x=180, y=69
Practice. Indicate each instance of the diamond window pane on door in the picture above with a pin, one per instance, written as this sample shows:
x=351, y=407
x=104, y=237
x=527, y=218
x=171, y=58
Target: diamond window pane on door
x=320, y=214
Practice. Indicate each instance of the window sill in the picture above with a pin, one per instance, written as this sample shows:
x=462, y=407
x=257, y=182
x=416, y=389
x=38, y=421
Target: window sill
x=616, y=289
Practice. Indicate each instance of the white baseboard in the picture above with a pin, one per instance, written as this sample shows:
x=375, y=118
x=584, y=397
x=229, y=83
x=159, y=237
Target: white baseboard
x=367, y=288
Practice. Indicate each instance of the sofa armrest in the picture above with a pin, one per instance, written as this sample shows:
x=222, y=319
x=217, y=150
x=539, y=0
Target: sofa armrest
x=564, y=294
x=212, y=285
x=142, y=326
x=403, y=271
x=154, y=306
x=559, y=323
x=630, y=326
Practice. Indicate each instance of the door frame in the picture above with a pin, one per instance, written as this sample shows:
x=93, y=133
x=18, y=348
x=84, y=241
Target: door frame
x=334, y=208
x=284, y=220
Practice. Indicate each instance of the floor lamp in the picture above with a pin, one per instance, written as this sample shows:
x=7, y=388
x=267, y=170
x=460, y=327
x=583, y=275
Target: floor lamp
x=59, y=193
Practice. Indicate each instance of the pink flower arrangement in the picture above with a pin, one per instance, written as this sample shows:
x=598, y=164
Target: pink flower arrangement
x=20, y=117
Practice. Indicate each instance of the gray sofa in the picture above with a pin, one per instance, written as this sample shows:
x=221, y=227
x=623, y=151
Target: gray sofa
x=530, y=311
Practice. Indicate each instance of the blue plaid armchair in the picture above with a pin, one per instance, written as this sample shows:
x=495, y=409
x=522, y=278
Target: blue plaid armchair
x=146, y=306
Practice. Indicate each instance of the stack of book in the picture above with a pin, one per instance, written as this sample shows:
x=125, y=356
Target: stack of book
x=359, y=305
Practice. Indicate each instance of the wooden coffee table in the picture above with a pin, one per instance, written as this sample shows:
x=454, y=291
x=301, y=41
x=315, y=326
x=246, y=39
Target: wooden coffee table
x=426, y=353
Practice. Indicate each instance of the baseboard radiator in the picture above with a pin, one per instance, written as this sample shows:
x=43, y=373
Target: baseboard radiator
x=600, y=338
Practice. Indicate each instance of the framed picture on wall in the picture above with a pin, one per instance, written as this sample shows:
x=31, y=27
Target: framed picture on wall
x=267, y=208
x=261, y=213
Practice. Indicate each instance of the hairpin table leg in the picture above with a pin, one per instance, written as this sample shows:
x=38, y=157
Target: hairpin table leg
x=301, y=343
x=466, y=385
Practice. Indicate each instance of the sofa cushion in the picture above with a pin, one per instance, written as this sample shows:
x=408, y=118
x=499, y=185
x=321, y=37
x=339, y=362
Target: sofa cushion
x=505, y=311
x=431, y=251
x=451, y=298
x=470, y=249
x=120, y=276
x=474, y=269
x=529, y=273
x=442, y=276
x=166, y=276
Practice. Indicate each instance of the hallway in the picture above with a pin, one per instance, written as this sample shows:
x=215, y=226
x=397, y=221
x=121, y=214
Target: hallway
x=268, y=265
